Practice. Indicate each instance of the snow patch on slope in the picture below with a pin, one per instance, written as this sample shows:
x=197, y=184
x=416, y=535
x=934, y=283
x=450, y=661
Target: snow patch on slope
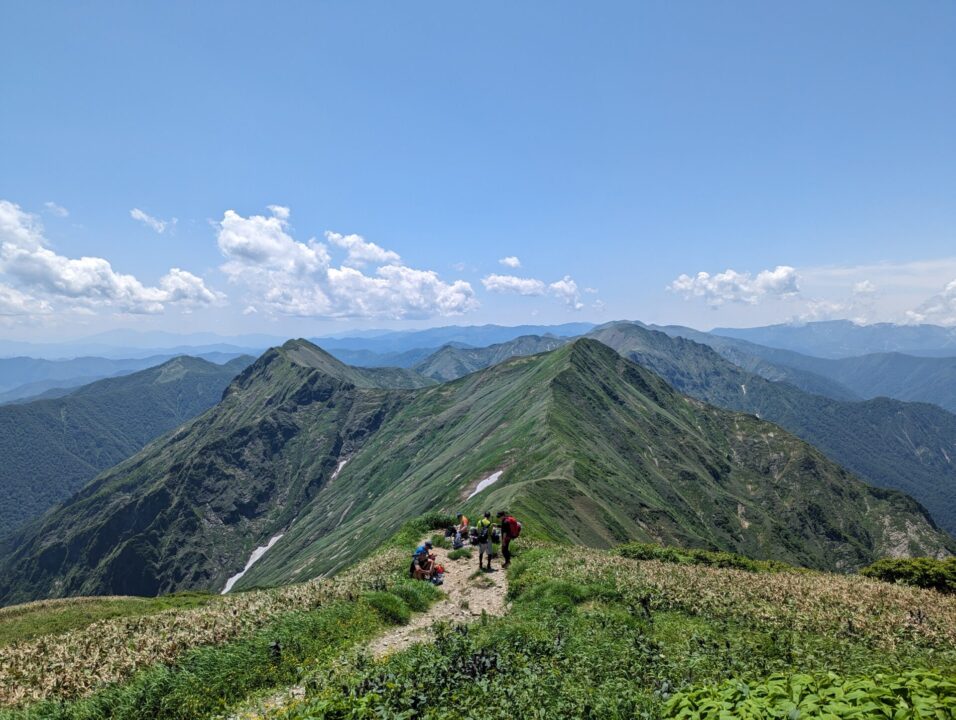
x=255, y=557
x=487, y=482
x=338, y=469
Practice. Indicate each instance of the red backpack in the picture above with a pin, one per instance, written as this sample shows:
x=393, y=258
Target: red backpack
x=514, y=527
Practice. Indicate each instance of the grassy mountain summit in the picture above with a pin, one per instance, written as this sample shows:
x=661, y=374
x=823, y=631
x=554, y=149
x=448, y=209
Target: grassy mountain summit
x=51, y=448
x=594, y=449
x=905, y=446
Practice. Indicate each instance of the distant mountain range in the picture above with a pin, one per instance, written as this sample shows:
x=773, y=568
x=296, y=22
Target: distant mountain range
x=585, y=445
x=842, y=338
x=51, y=448
x=894, y=375
x=451, y=362
x=24, y=378
x=125, y=344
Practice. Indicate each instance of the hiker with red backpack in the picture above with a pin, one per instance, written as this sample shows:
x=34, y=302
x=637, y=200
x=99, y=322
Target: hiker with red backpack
x=510, y=529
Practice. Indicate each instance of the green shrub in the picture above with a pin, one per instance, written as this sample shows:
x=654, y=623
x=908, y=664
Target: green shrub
x=417, y=595
x=391, y=607
x=921, y=572
x=915, y=694
x=692, y=556
x=460, y=553
x=440, y=541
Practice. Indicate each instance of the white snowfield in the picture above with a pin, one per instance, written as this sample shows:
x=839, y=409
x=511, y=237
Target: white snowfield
x=256, y=555
x=338, y=469
x=487, y=482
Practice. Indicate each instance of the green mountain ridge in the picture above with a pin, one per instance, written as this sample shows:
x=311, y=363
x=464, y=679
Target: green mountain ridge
x=594, y=449
x=905, y=446
x=451, y=362
x=51, y=448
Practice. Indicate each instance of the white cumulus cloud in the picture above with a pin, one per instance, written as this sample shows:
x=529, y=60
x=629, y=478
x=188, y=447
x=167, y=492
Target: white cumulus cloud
x=361, y=252
x=940, y=308
x=512, y=284
x=55, y=209
x=160, y=226
x=510, y=261
x=567, y=290
x=13, y=303
x=564, y=289
x=284, y=275
x=42, y=279
x=738, y=287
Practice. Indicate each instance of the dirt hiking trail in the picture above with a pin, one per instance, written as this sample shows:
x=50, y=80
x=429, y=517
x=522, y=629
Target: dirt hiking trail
x=468, y=593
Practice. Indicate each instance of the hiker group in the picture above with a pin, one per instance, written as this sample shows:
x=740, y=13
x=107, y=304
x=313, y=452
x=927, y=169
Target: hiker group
x=483, y=534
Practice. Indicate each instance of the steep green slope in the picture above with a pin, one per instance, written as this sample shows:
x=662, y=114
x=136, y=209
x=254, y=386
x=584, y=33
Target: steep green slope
x=597, y=450
x=893, y=375
x=764, y=361
x=187, y=510
x=51, y=448
x=905, y=446
x=371, y=359
x=591, y=449
x=451, y=363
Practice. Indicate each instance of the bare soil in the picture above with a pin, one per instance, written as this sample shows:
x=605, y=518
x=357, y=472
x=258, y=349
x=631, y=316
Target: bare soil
x=468, y=594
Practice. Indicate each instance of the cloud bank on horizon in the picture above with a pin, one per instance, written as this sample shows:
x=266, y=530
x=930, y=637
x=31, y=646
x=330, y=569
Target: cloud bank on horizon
x=267, y=272
x=267, y=269
x=882, y=292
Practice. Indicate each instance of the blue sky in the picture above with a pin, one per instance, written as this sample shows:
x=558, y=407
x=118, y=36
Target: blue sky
x=800, y=155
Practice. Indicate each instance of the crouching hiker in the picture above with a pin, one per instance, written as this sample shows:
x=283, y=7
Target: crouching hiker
x=483, y=526
x=423, y=562
x=510, y=529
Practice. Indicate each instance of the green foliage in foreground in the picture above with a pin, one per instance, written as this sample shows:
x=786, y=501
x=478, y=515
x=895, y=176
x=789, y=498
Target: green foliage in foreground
x=209, y=680
x=583, y=646
x=685, y=556
x=899, y=696
x=921, y=572
x=21, y=623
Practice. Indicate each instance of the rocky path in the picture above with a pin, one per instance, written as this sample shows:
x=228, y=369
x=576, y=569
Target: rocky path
x=468, y=593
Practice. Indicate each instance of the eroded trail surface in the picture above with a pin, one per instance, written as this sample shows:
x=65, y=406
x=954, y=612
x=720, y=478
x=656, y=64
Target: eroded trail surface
x=468, y=593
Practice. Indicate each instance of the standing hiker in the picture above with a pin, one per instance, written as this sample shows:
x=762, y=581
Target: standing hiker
x=483, y=526
x=510, y=529
x=461, y=531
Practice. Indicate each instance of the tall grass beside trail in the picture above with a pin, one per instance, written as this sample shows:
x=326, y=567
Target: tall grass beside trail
x=19, y=623
x=210, y=680
x=594, y=635
x=184, y=664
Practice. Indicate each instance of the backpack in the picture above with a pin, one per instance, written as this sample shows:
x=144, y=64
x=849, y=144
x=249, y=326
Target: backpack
x=514, y=527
